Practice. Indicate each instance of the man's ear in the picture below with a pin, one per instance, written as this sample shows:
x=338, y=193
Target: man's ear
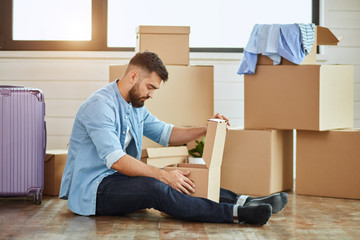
x=133, y=76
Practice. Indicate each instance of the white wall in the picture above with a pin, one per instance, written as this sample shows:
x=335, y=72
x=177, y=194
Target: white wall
x=343, y=18
x=68, y=78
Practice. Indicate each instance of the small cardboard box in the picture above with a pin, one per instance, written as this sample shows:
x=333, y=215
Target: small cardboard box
x=323, y=36
x=161, y=157
x=304, y=97
x=53, y=170
x=328, y=163
x=207, y=176
x=258, y=162
x=171, y=43
x=189, y=91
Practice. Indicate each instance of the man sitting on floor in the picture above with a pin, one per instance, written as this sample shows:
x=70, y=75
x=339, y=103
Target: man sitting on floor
x=103, y=174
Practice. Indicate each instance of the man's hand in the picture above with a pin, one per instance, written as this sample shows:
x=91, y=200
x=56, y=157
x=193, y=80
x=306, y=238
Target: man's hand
x=219, y=116
x=177, y=179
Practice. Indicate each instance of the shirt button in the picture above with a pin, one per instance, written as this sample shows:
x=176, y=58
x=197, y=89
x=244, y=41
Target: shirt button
x=123, y=132
x=97, y=182
x=129, y=106
x=126, y=117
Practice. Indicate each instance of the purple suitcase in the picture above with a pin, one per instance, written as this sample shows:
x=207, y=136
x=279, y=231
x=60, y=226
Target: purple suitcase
x=22, y=142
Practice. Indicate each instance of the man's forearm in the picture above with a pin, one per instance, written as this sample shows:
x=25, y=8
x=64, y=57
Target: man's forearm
x=133, y=167
x=184, y=135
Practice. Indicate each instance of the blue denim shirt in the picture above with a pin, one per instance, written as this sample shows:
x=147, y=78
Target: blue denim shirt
x=97, y=142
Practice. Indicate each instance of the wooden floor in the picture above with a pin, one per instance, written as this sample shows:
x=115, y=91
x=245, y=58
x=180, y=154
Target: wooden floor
x=304, y=217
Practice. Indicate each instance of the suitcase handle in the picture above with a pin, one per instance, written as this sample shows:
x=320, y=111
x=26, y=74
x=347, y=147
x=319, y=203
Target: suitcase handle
x=45, y=138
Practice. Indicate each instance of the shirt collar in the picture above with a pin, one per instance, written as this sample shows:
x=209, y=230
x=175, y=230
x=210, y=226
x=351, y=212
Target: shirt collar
x=120, y=98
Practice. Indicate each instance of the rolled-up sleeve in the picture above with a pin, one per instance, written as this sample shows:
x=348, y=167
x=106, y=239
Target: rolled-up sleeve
x=157, y=130
x=98, y=118
x=111, y=158
x=165, y=136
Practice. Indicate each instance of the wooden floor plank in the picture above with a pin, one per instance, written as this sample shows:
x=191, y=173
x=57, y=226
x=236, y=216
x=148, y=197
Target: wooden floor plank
x=305, y=217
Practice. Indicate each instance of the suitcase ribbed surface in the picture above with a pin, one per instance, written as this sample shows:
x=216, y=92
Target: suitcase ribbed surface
x=22, y=141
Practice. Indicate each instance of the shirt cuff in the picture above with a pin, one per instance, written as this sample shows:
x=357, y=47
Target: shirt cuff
x=165, y=136
x=111, y=158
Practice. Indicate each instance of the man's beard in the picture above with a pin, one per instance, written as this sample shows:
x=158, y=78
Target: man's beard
x=135, y=99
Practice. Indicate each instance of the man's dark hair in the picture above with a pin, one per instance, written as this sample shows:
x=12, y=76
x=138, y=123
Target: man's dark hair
x=151, y=62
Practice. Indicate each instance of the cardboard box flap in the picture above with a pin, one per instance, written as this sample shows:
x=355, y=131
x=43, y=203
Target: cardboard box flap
x=163, y=29
x=214, y=142
x=48, y=157
x=325, y=36
x=164, y=152
x=50, y=153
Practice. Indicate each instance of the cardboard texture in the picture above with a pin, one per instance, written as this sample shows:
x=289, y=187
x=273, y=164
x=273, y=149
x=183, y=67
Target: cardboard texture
x=53, y=170
x=171, y=43
x=164, y=156
x=258, y=162
x=323, y=36
x=185, y=99
x=328, y=163
x=207, y=176
x=305, y=97
x=264, y=60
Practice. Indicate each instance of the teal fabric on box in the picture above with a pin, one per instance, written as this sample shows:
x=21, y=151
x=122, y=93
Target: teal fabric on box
x=307, y=36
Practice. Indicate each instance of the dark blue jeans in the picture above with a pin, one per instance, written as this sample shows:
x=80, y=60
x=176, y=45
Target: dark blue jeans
x=119, y=194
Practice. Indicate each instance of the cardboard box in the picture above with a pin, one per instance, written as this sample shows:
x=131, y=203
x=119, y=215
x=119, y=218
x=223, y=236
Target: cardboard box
x=207, y=176
x=164, y=156
x=323, y=36
x=258, y=162
x=328, y=163
x=171, y=43
x=185, y=99
x=305, y=97
x=53, y=170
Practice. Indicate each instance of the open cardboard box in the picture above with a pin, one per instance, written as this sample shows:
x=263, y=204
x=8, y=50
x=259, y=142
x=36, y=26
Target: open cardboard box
x=207, y=176
x=55, y=161
x=171, y=43
x=323, y=36
x=164, y=156
x=328, y=163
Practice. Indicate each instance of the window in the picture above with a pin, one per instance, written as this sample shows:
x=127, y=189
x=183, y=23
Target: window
x=80, y=24
x=52, y=20
x=214, y=23
x=109, y=25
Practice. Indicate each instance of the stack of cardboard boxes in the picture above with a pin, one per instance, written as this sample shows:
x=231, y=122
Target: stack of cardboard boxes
x=315, y=100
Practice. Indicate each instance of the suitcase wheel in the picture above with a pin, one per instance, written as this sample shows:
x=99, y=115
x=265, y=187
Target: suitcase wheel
x=37, y=198
x=35, y=195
